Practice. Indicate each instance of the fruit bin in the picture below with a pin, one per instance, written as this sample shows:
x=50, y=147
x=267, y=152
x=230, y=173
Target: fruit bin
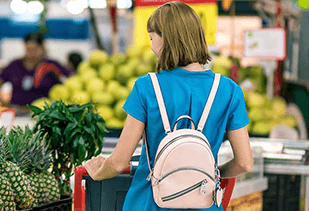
x=64, y=204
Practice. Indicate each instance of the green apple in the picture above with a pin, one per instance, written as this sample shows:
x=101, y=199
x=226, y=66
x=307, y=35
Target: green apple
x=74, y=83
x=83, y=66
x=113, y=86
x=118, y=58
x=134, y=51
x=279, y=106
x=255, y=99
x=80, y=97
x=143, y=69
x=98, y=57
x=119, y=112
x=114, y=123
x=106, y=112
x=107, y=71
x=59, y=92
x=95, y=85
x=261, y=128
x=124, y=73
x=40, y=102
x=256, y=114
x=131, y=82
x=105, y=98
x=149, y=57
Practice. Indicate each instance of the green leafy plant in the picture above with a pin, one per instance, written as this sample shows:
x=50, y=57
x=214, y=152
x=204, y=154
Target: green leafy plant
x=74, y=132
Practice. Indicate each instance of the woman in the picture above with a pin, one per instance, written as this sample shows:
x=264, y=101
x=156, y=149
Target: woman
x=181, y=48
x=33, y=75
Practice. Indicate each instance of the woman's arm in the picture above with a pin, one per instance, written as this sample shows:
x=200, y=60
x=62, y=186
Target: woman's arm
x=243, y=159
x=100, y=169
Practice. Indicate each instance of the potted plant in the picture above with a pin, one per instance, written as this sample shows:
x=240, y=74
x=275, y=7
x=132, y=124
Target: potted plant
x=74, y=133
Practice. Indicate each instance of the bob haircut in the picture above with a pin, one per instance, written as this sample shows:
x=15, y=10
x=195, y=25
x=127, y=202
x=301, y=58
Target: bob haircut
x=183, y=36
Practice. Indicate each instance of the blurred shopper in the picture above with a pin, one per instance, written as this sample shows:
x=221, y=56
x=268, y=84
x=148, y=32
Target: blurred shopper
x=181, y=48
x=74, y=59
x=33, y=75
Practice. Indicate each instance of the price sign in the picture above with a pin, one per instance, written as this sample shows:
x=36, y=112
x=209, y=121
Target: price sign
x=265, y=43
x=206, y=9
x=7, y=118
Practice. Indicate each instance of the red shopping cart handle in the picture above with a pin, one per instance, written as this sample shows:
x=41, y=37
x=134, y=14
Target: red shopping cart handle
x=79, y=172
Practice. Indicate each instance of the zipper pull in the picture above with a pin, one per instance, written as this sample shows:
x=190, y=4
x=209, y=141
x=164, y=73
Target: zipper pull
x=202, y=190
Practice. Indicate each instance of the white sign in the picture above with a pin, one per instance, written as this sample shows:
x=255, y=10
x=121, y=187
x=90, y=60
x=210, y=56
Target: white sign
x=7, y=118
x=269, y=43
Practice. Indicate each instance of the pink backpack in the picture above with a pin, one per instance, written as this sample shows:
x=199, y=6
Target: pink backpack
x=185, y=174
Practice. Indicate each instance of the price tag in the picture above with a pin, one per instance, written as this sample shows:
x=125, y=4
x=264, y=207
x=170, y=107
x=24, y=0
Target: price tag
x=7, y=118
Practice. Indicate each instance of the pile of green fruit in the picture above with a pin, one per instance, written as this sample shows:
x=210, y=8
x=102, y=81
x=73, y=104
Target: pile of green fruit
x=106, y=81
x=265, y=113
x=25, y=179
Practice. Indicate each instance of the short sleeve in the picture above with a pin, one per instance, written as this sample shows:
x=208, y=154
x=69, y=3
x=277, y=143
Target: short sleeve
x=135, y=103
x=238, y=116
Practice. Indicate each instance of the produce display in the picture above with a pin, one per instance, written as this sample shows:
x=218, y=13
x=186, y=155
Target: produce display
x=264, y=113
x=105, y=80
x=25, y=179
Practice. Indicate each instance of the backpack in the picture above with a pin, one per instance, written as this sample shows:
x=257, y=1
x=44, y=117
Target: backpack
x=184, y=174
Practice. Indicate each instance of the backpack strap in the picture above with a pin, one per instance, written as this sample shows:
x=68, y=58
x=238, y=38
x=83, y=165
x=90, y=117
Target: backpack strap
x=159, y=97
x=209, y=102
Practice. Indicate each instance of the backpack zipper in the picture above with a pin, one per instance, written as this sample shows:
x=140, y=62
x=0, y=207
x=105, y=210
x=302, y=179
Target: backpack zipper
x=183, y=169
x=174, y=140
x=186, y=191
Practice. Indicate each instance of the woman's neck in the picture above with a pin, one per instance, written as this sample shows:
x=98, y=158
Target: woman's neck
x=30, y=64
x=194, y=67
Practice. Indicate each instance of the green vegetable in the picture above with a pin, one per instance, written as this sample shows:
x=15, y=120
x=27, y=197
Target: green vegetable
x=74, y=132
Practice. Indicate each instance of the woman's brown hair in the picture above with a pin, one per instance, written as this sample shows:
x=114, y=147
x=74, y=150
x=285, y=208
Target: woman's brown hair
x=183, y=36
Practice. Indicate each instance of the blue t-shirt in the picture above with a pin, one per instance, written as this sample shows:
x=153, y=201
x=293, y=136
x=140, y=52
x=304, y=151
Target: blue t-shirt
x=184, y=93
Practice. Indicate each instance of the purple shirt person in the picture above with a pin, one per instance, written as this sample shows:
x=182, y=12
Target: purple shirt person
x=33, y=75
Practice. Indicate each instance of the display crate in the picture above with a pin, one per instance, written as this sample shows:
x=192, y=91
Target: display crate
x=64, y=204
x=283, y=193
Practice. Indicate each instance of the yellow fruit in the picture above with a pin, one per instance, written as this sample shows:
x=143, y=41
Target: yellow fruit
x=143, y=69
x=131, y=82
x=59, y=92
x=41, y=102
x=105, y=112
x=256, y=114
x=134, y=51
x=121, y=93
x=74, y=83
x=118, y=58
x=94, y=85
x=113, y=86
x=105, y=98
x=107, y=72
x=83, y=66
x=119, y=112
x=261, y=128
x=124, y=73
x=98, y=57
x=80, y=97
x=279, y=106
x=289, y=120
x=255, y=99
x=114, y=123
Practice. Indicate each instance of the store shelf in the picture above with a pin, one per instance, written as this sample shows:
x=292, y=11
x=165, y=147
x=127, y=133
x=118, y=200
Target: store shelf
x=244, y=188
x=286, y=169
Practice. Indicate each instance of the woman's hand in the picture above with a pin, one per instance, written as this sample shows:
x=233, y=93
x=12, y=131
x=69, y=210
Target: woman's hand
x=93, y=166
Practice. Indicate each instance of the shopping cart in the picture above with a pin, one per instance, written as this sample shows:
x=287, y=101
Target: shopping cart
x=113, y=201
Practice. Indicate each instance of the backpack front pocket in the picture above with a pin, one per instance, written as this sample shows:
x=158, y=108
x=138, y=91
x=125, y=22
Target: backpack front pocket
x=186, y=191
x=175, y=190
